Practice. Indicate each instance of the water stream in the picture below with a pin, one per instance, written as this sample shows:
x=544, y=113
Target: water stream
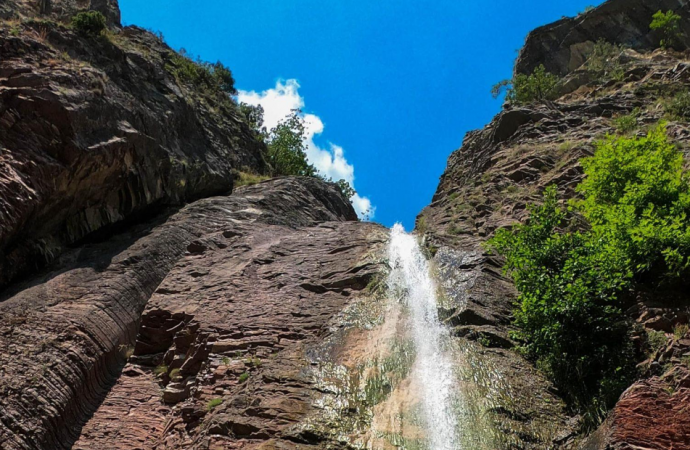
x=410, y=280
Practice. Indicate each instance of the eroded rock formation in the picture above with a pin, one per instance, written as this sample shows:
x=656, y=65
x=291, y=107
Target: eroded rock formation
x=98, y=131
x=260, y=272
x=499, y=170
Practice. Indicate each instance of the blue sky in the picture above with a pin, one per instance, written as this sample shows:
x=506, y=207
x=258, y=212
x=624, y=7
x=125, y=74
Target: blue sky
x=390, y=86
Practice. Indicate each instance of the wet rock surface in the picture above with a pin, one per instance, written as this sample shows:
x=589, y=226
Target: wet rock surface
x=98, y=132
x=66, y=334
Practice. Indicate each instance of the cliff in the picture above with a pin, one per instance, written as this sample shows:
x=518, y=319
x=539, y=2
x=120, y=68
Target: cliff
x=500, y=169
x=146, y=302
x=98, y=131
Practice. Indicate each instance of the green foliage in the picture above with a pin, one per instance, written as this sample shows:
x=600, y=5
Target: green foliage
x=89, y=23
x=213, y=403
x=679, y=106
x=668, y=26
x=656, y=340
x=680, y=330
x=345, y=188
x=569, y=317
x=244, y=377
x=540, y=86
x=210, y=78
x=255, y=117
x=604, y=60
x=572, y=278
x=287, y=146
x=636, y=197
x=627, y=123
x=225, y=360
x=160, y=369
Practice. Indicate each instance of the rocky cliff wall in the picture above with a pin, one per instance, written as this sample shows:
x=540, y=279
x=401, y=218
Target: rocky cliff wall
x=500, y=169
x=98, y=131
x=263, y=269
x=564, y=45
x=61, y=10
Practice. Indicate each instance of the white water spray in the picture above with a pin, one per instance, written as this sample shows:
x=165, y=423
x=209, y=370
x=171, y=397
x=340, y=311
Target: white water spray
x=411, y=278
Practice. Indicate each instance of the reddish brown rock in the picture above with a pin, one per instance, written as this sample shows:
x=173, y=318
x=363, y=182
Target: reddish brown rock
x=64, y=334
x=99, y=131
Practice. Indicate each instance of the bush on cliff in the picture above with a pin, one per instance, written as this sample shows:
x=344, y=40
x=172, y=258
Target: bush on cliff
x=539, y=86
x=209, y=78
x=604, y=61
x=89, y=23
x=573, y=266
x=668, y=26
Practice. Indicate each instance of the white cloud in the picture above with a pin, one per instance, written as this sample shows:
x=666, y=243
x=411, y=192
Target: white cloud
x=279, y=102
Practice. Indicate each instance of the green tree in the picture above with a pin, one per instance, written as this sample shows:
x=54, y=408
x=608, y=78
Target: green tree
x=255, y=117
x=668, y=25
x=539, y=86
x=89, y=23
x=345, y=188
x=287, y=148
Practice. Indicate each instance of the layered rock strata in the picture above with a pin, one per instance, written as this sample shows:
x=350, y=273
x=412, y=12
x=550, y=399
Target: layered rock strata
x=257, y=272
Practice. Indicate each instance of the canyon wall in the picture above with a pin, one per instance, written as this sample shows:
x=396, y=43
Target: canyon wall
x=502, y=168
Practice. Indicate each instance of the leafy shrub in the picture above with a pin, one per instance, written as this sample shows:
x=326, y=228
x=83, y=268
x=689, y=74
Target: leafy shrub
x=668, y=26
x=679, y=106
x=571, y=283
x=211, y=78
x=636, y=198
x=539, y=86
x=569, y=316
x=89, y=23
x=213, y=403
x=605, y=60
x=627, y=123
x=244, y=377
x=656, y=340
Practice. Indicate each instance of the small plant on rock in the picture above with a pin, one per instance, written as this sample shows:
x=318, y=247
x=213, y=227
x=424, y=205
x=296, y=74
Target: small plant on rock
x=668, y=26
x=679, y=106
x=89, y=23
x=244, y=377
x=213, y=403
x=604, y=60
x=627, y=123
x=539, y=86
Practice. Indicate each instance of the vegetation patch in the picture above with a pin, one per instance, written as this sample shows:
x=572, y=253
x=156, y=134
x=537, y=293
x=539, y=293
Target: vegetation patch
x=627, y=123
x=208, y=78
x=89, y=23
x=678, y=107
x=539, y=86
x=573, y=266
x=213, y=403
x=667, y=24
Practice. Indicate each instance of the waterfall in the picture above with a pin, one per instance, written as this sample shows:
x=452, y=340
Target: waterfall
x=411, y=281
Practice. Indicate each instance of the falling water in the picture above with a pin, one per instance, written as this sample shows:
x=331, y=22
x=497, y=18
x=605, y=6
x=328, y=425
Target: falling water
x=410, y=278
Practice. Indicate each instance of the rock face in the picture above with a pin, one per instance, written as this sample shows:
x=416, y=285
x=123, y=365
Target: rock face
x=61, y=10
x=98, y=131
x=564, y=45
x=499, y=170
x=256, y=274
